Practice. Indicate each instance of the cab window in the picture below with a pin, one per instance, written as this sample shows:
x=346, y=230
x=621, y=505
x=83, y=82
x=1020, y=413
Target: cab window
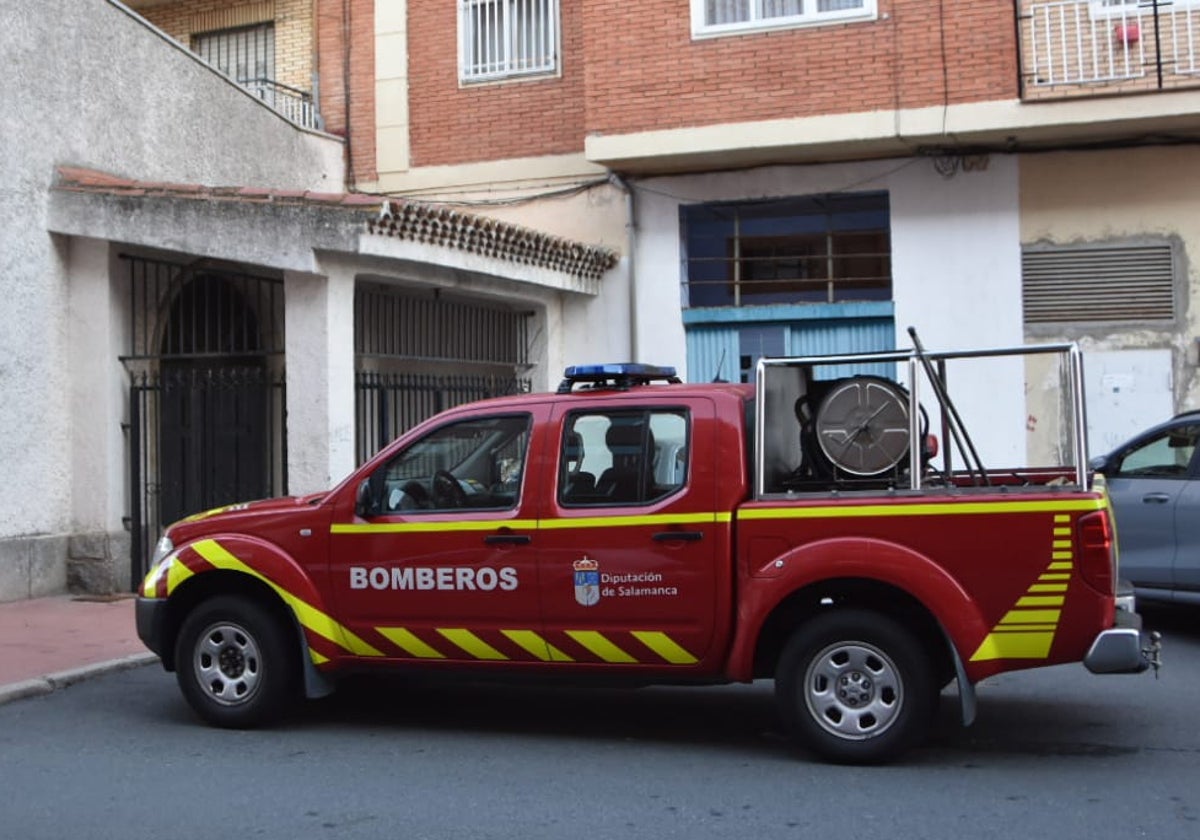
x=622, y=457
x=472, y=464
x=1165, y=456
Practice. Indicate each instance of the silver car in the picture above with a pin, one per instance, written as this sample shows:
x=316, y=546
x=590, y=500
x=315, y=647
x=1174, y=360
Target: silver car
x=1154, y=483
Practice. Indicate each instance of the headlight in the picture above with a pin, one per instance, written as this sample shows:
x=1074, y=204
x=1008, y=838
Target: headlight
x=159, y=564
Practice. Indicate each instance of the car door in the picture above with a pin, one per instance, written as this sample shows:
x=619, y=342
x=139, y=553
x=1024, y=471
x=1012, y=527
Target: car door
x=1147, y=483
x=435, y=561
x=630, y=544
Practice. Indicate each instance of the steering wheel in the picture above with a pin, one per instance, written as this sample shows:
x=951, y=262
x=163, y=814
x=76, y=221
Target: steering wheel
x=447, y=492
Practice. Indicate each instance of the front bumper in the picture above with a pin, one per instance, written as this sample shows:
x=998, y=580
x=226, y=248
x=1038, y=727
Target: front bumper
x=151, y=615
x=1126, y=648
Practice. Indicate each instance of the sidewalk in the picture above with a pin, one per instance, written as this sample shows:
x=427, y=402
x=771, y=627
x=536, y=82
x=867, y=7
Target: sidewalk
x=49, y=643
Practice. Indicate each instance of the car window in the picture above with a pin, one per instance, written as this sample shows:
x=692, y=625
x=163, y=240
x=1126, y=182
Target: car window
x=1166, y=455
x=622, y=457
x=475, y=464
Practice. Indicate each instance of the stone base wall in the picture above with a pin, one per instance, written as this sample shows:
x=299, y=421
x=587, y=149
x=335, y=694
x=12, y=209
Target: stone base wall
x=37, y=566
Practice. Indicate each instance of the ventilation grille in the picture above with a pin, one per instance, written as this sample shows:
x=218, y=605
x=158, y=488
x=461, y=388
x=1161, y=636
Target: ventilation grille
x=1134, y=283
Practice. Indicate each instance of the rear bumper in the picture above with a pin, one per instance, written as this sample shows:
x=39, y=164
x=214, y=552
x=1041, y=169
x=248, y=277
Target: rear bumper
x=1125, y=648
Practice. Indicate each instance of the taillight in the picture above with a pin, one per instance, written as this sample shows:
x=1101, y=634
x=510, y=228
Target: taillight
x=1097, y=559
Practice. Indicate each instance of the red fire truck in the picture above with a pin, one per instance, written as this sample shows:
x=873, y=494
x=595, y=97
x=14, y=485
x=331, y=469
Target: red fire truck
x=633, y=527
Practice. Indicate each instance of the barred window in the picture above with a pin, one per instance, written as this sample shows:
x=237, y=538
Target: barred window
x=503, y=38
x=715, y=17
x=813, y=249
x=246, y=54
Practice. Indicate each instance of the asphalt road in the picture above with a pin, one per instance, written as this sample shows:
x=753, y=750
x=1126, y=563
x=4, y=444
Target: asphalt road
x=1054, y=753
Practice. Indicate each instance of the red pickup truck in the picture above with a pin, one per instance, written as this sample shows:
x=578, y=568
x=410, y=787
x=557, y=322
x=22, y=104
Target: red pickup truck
x=630, y=526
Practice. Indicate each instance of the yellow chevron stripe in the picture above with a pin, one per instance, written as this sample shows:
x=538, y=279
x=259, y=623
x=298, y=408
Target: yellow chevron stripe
x=1041, y=601
x=471, y=643
x=1014, y=646
x=1048, y=587
x=1022, y=628
x=600, y=646
x=177, y=574
x=1031, y=617
x=1062, y=532
x=1062, y=517
x=1059, y=566
x=309, y=616
x=317, y=658
x=1062, y=555
x=664, y=646
x=1054, y=576
x=410, y=644
x=535, y=645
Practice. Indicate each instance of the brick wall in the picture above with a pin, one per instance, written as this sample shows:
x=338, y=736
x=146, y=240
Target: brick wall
x=490, y=121
x=293, y=29
x=340, y=22
x=634, y=67
x=655, y=76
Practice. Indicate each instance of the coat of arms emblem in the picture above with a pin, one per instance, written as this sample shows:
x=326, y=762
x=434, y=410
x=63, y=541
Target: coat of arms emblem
x=587, y=582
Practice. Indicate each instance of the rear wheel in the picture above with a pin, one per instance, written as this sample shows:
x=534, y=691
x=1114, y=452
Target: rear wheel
x=855, y=687
x=235, y=662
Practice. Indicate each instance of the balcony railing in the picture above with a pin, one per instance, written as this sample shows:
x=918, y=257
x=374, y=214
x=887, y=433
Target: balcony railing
x=296, y=105
x=1074, y=47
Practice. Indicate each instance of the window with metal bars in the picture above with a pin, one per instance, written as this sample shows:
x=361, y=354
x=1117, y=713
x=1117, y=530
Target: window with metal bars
x=814, y=249
x=1125, y=283
x=715, y=17
x=246, y=54
x=503, y=38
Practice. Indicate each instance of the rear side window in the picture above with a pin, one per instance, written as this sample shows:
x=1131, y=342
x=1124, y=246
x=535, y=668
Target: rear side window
x=620, y=458
x=1165, y=456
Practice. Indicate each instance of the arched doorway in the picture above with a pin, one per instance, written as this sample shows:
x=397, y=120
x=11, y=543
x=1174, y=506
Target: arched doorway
x=215, y=399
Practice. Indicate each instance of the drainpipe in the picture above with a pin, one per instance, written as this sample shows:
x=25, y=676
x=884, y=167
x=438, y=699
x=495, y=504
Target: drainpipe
x=631, y=249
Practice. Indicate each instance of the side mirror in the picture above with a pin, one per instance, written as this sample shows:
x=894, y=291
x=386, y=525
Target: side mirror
x=1099, y=464
x=366, y=504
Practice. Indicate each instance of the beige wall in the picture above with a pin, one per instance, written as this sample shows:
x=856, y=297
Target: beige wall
x=1126, y=195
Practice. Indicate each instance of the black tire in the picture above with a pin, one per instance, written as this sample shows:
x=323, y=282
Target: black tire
x=855, y=687
x=236, y=663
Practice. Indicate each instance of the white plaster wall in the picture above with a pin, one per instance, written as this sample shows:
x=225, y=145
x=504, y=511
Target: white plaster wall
x=90, y=85
x=956, y=268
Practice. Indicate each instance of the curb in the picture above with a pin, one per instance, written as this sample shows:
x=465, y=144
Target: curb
x=62, y=679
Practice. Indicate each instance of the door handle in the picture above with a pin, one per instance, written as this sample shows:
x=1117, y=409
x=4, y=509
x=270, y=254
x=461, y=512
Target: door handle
x=508, y=539
x=1156, y=498
x=683, y=536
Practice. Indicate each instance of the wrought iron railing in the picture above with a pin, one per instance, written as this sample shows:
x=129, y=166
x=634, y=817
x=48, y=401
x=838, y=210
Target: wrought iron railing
x=1069, y=47
x=297, y=105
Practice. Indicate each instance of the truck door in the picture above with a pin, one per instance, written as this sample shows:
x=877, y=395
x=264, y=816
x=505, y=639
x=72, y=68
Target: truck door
x=630, y=543
x=434, y=561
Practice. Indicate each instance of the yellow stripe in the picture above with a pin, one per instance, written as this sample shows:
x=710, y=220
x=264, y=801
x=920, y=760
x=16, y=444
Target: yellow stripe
x=1059, y=545
x=1014, y=646
x=929, y=509
x=1062, y=532
x=1048, y=587
x=410, y=644
x=317, y=658
x=309, y=616
x=1023, y=628
x=177, y=574
x=1062, y=555
x=1062, y=517
x=1058, y=567
x=664, y=646
x=600, y=646
x=1055, y=576
x=1041, y=601
x=529, y=524
x=430, y=527
x=1031, y=617
x=535, y=645
x=471, y=643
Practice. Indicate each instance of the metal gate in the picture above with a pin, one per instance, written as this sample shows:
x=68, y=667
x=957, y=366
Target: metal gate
x=207, y=394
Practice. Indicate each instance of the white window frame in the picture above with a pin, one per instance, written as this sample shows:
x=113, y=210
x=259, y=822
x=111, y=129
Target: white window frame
x=1102, y=9
x=507, y=63
x=760, y=22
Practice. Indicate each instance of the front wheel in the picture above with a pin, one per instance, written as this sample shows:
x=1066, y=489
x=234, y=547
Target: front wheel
x=234, y=663
x=855, y=687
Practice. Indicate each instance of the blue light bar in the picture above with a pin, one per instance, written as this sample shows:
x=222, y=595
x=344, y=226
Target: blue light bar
x=617, y=375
